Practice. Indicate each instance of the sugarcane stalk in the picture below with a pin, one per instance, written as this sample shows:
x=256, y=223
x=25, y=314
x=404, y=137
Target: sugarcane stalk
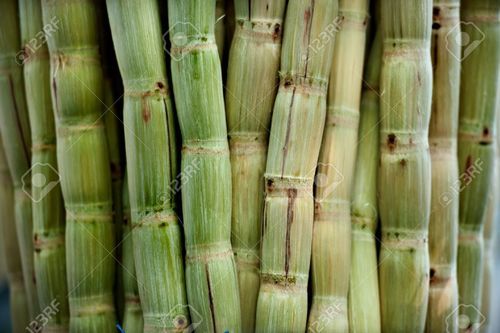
x=19, y=312
x=48, y=207
x=479, y=100
x=443, y=223
x=254, y=57
x=331, y=265
x=15, y=131
x=132, y=314
x=405, y=165
x=211, y=276
x=77, y=92
x=149, y=123
x=295, y=139
x=488, y=244
x=364, y=308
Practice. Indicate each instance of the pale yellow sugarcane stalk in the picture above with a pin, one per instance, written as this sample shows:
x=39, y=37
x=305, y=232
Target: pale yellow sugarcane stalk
x=364, y=308
x=479, y=100
x=443, y=224
x=331, y=251
x=294, y=144
x=405, y=165
x=253, y=58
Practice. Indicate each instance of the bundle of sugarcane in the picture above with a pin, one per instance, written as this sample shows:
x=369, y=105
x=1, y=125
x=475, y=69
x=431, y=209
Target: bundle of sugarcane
x=15, y=131
x=149, y=120
x=82, y=153
x=364, y=308
x=405, y=166
x=254, y=57
x=296, y=132
x=48, y=208
x=479, y=100
x=17, y=293
x=132, y=314
x=332, y=216
x=443, y=224
x=211, y=277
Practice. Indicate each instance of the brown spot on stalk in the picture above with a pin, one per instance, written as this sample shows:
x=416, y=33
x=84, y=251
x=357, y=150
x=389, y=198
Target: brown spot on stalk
x=436, y=12
x=436, y=26
x=270, y=185
x=210, y=298
x=419, y=79
x=468, y=165
x=146, y=113
x=486, y=140
x=391, y=141
x=432, y=275
x=163, y=224
x=292, y=194
x=276, y=32
x=160, y=85
x=402, y=162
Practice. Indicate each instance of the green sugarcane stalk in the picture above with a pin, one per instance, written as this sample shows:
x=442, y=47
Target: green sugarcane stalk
x=211, y=278
x=48, y=206
x=132, y=314
x=405, y=165
x=149, y=123
x=82, y=153
x=331, y=265
x=479, y=100
x=15, y=131
x=295, y=139
x=253, y=58
x=18, y=301
x=488, y=248
x=363, y=302
x=443, y=224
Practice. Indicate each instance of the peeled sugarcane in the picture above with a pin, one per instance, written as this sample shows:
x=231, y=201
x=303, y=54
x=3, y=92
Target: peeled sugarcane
x=15, y=131
x=295, y=139
x=479, y=100
x=82, y=153
x=132, y=314
x=211, y=278
x=149, y=123
x=331, y=264
x=404, y=182
x=17, y=293
x=443, y=225
x=48, y=207
x=251, y=90
x=210, y=270
x=364, y=308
